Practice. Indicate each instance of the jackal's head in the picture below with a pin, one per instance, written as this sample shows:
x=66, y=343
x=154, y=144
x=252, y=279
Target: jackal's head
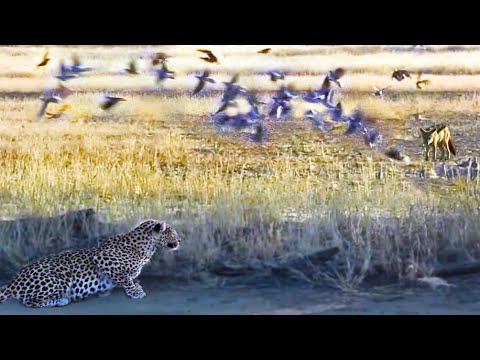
x=427, y=134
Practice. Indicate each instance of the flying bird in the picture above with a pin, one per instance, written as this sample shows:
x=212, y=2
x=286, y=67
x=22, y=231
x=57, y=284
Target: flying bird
x=357, y=123
x=232, y=90
x=264, y=51
x=237, y=122
x=164, y=73
x=335, y=75
x=159, y=57
x=280, y=108
x=379, y=92
x=77, y=66
x=319, y=95
x=276, y=75
x=107, y=101
x=360, y=123
x=48, y=97
x=52, y=96
x=317, y=120
x=336, y=113
x=65, y=73
x=45, y=59
x=286, y=93
x=60, y=111
x=210, y=58
x=399, y=75
x=155, y=57
x=421, y=81
x=202, y=80
x=132, y=68
x=253, y=100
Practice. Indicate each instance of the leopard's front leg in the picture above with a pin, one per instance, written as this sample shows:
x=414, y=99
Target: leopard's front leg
x=132, y=289
x=121, y=275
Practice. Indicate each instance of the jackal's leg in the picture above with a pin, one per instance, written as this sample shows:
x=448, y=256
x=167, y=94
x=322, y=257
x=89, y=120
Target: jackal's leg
x=442, y=148
x=447, y=141
x=435, y=145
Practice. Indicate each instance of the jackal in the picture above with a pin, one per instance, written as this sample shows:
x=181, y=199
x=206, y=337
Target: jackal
x=438, y=135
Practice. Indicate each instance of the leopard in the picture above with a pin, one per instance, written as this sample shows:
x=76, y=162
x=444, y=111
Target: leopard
x=73, y=275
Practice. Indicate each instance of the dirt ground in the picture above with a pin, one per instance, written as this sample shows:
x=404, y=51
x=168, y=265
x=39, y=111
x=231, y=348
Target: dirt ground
x=294, y=299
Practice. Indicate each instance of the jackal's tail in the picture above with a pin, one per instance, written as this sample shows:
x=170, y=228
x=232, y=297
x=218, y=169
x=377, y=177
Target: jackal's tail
x=451, y=146
x=3, y=294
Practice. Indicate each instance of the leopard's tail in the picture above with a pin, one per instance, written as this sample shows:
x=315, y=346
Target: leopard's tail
x=4, y=294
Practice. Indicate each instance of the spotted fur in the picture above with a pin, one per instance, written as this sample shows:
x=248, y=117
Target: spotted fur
x=76, y=274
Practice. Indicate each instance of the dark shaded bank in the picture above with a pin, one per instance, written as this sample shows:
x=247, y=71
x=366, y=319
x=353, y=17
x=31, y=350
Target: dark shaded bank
x=341, y=251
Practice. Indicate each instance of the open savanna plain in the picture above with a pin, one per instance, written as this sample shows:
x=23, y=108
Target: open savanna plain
x=242, y=206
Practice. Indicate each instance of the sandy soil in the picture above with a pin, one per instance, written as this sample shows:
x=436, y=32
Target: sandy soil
x=462, y=298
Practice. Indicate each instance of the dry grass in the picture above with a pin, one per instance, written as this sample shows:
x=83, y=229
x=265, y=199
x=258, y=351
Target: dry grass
x=156, y=156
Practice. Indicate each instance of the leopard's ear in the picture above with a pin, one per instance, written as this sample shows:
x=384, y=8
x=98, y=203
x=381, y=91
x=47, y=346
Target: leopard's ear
x=160, y=227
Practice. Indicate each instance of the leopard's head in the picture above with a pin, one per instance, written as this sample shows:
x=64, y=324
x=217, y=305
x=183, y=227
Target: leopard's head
x=165, y=235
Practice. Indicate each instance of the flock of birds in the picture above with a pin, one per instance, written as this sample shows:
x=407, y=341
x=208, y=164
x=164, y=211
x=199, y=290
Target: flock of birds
x=253, y=121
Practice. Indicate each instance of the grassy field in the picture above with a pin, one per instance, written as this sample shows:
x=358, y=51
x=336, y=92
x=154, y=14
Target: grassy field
x=156, y=155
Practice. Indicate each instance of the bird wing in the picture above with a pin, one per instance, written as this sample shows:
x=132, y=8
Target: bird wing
x=132, y=66
x=424, y=82
x=63, y=69
x=329, y=97
x=325, y=86
x=279, y=111
x=75, y=60
x=63, y=91
x=199, y=87
x=339, y=107
x=338, y=73
x=264, y=51
x=222, y=107
x=45, y=56
x=160, y=56
x=42, y=109
x=212, y=57
x=63, y=108
x=234, y=78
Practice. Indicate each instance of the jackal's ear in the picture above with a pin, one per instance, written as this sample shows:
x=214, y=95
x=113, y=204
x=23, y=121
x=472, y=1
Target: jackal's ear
x=160, y=227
